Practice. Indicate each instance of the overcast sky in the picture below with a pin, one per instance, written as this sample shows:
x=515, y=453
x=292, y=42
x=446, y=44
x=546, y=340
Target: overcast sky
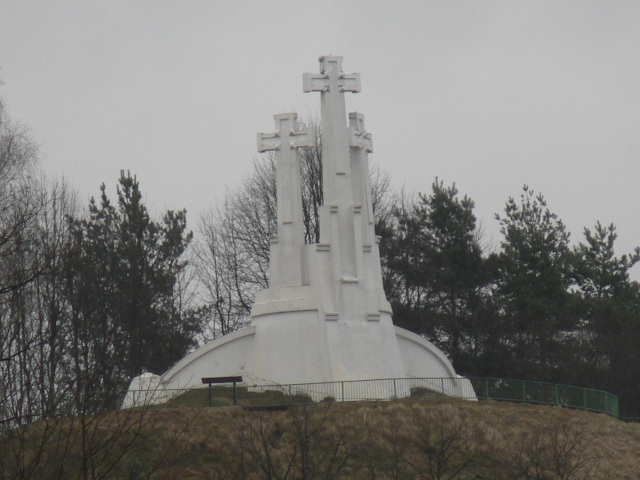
x=489, y=95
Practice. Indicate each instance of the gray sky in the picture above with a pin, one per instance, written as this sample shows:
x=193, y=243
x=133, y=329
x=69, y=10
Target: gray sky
x=489, y=95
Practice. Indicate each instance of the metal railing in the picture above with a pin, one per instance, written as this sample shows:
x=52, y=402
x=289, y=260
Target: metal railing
x=275, y=396
x=282, y=396
x=546, y=393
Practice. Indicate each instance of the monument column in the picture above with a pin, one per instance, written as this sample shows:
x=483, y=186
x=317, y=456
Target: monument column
x=361, y=145
x=336, y=214
x=285, y=262
x=332, y=83
x=369, y=268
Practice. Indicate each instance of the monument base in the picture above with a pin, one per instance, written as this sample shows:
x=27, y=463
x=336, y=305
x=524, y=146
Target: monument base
x=254, y=354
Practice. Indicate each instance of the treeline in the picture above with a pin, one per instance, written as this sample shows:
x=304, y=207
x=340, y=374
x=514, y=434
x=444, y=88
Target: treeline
x=538, y=308
x=91, y=296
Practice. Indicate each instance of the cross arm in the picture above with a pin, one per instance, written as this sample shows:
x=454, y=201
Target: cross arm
x=331, y=78
x=268, y=141
x=319, y=82
x=286, y=134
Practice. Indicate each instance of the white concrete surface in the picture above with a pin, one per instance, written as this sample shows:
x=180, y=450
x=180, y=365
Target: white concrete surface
x=324, y=317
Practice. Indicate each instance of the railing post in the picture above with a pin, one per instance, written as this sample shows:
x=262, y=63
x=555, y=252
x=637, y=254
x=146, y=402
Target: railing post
x=395, y=390
x=524, y=391
x=342, y=385
x=557, y=395
x=486, y=388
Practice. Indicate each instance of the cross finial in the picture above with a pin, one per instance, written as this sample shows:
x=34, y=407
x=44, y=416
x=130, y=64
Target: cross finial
x=359, y=138
x=330, y=60
x=331, y=78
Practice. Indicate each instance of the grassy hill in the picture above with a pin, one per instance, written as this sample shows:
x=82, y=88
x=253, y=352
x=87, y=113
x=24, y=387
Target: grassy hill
x=402, y=439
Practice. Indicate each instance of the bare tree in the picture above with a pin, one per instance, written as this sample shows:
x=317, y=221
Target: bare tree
x=34, y=317
x=305, y=442
x=17, y=208
x=20, y=265
x=34, y=252
x=268, y=446
x=52, y=307
x=445, y=446
x=232, y=256
x=133, y=443
x=557, y=451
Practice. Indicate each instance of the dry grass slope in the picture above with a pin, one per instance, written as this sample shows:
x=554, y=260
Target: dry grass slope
x=404, y=439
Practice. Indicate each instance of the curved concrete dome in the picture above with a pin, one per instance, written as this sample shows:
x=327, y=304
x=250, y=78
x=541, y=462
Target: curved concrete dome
x=232, y=355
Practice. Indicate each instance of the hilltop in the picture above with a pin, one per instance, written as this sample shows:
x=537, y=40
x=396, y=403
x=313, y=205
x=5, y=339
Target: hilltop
x=413, y=438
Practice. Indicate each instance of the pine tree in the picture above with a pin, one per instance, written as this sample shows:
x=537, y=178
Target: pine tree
x=610, y=317
x=536, y=273
x=123, y=288
x=440, y=281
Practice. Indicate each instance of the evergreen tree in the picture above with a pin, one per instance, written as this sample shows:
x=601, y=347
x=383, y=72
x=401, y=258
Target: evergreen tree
x=600, y=273
x=123, y=288
x=440, y=281
x=610, y=316
x=538, y=315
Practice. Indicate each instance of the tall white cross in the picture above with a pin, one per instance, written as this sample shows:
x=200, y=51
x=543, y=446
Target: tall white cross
x=331, y=78
x=286, y=258
x=332, y=82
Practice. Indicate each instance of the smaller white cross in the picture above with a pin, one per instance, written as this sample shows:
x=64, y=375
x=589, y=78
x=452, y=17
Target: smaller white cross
x=286, y=135
x=359, y=137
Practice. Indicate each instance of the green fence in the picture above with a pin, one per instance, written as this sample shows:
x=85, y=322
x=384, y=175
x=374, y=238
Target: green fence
x=546, y=393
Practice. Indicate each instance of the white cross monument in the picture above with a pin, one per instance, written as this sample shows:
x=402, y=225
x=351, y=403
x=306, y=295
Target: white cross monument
x=324, y=317
x=285, y=266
